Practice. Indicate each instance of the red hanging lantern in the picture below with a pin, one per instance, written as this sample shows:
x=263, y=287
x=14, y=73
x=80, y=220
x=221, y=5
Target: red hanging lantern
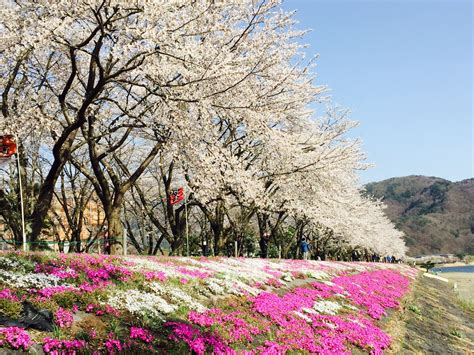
x=7, y=146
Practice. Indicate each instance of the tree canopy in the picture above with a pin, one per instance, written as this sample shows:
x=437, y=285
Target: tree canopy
x=131, y=99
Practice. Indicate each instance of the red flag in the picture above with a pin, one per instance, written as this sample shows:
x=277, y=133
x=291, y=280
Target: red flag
x=7, y=146
x=176, y=196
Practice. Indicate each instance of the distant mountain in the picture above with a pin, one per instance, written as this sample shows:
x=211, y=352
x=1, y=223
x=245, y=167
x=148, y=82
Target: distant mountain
x=436, y=215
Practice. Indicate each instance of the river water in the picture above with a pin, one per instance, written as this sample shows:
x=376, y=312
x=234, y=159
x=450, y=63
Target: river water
x=467, y=268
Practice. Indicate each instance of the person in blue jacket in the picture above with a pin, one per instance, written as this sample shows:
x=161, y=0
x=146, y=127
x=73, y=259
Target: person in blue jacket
x=305, y=249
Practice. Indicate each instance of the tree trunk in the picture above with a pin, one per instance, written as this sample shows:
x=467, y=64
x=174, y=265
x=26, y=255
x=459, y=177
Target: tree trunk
x=219, y=240
x=263, y=243
x=75, y=241
x=61, y=246
x=62, y=152
x=115, y=232
x=264, y=234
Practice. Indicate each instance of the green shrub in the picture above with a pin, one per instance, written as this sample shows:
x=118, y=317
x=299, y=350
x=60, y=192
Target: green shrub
x=414, y=309
x=16, y=264
x=92, y=297
x=10, y=309
x=456, y=333
x=48, y=304
x=468, y=259
x=58, y=333
x=65, y=299
x=182, y=311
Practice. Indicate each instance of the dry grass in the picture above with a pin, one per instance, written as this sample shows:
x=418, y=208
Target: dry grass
x=431, y=321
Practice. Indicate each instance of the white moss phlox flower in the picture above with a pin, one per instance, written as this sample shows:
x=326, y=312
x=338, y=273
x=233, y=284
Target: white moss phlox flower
x=317, y=274
x=177, y=296
x=303, y=316
x=141, y=303
x=327, y=307
x=36, y=281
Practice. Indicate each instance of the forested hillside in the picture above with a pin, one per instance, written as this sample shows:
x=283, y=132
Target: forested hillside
x=436, y=215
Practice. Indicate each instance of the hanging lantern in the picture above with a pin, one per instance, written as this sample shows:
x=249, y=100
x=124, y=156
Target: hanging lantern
x=7, y=146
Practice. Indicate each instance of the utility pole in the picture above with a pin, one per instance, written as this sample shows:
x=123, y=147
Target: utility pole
x=20, y=185
x=125, y=232
x=186, y=218
x=125, y=241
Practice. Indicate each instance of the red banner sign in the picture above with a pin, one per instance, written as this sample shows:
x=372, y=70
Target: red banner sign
x=7, y=146
x=176, y=196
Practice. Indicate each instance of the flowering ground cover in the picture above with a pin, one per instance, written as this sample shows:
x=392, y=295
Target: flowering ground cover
x=107, y=304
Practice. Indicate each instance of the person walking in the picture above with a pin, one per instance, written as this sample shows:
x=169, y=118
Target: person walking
x=305, y=249
x=205, y=248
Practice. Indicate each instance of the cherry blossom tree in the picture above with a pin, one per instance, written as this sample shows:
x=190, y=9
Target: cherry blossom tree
x=218, y=92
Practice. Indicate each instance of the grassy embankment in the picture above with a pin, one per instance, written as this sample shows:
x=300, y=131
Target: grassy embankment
x=435, y=319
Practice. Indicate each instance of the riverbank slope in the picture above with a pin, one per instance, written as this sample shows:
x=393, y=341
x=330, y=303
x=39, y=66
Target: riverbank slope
x=434, y=320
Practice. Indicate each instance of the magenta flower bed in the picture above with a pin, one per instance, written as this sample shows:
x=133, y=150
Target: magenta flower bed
x=109, y=305
x=292, y=330
x=15, y=338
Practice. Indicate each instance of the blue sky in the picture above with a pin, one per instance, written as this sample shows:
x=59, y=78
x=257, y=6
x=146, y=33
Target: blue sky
x=404, y=68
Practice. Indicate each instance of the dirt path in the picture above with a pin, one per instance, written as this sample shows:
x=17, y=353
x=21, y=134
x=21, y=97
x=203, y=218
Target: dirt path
x=433, y=321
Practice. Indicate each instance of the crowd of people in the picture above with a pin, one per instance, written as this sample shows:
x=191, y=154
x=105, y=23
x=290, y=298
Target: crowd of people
x=355, y=255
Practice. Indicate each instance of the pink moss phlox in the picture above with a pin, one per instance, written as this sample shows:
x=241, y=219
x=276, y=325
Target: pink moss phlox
x=207, y=318
x=275, y=273
x=64, y=274
x=100, y=310
x=196, y=340
x=142, y=334
x=101, y=268
x=55, y=268
x=119, y=272
x=326, y=291
x=7, y=294
x=375, y=290
x=48, y=292
x=237, y=328
x=274, y=283
x=86, y=287
x=155, y=275
x=112, y=311
x=335, y=331
x=272, y=348
x=15, y=338
x=194, y=273
x=113, y=345
x=278, y=309
x=97, y=275
x=297, y=334
x=63, y=318
x=62, y=347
